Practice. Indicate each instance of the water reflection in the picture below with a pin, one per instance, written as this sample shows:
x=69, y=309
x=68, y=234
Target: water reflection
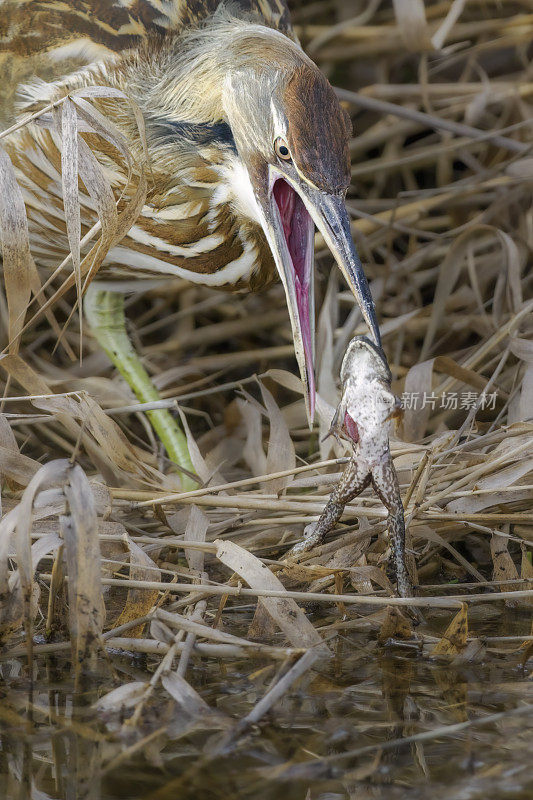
x=368, y=696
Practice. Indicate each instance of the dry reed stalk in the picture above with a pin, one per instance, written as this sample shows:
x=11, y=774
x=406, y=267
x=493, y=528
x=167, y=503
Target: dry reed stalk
x=442, y=169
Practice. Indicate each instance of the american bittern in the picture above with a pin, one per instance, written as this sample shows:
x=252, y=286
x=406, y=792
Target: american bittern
x=248, y=151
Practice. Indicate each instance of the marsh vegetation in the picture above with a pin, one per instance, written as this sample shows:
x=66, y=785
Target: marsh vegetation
x=155, y=644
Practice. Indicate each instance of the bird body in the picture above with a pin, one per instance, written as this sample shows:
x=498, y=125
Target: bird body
x=199, y=221
x=245, y=145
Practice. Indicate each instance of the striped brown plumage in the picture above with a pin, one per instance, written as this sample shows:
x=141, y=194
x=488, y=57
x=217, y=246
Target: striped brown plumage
x=183, y=229
x=245, y=146
x=33, y=27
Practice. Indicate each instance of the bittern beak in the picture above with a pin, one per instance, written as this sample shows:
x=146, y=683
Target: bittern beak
x=294, y=208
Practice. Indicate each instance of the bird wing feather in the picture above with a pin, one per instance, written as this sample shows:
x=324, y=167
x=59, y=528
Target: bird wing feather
x=48, y=38
x=55, y=26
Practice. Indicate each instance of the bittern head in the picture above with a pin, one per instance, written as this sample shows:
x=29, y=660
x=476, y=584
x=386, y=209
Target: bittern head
x=292, y=136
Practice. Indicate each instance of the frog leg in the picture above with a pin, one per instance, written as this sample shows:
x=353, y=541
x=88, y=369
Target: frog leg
x=354, y=479
x=385, y=483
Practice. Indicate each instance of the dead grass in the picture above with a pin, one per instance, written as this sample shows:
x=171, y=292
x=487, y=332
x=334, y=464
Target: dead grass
x=100, y=551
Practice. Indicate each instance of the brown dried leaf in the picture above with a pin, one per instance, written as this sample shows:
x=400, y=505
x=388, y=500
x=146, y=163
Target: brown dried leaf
x=495, y=486
x=307, y=573
x=197, y=460
x=289, y=616
x=395, y=626
x=104, y=440
x=139, y=602
x=69, y=178
x=262, y=626
x=522, y=348
x=524, y=409
x=17, y=593
x=454, y=637
x=18, y=266
x=280, y=453
x=287, y=379
x=253, y=452
x=526, y=567
x=97, y=122
x=79, y=529
x=94, y=259
x=185, y=696
x=195, y=531
x=450, y=270
x=368, y=573
x=108, y=91
x=418, y=382
x=7, y=437
x=504, y=567
x=17, y=467
x=121, y=698
x=11, y=611
x=202, y=631
x=108, y=435
x=508, y=279
x=97, y=184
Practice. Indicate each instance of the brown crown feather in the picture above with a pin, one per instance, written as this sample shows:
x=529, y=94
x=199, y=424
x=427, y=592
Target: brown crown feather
x=319, y=130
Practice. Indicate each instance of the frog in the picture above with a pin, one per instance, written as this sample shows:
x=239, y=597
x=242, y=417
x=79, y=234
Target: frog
x=367, y=412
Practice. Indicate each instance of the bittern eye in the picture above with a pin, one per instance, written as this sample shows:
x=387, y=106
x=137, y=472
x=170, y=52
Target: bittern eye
x=282, y=150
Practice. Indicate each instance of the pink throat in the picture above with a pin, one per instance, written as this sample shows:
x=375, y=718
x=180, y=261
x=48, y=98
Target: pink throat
x=350, y=426
x=296, y=224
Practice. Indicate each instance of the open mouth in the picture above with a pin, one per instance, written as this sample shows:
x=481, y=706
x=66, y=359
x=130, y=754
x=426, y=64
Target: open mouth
x=298, y=230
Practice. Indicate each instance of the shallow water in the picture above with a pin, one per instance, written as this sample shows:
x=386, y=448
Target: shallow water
x=367, y=696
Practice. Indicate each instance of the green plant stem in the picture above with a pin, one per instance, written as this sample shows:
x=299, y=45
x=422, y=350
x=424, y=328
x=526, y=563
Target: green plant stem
x=105, y=313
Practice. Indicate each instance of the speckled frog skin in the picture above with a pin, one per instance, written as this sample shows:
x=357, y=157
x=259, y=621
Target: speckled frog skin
x=364, y=416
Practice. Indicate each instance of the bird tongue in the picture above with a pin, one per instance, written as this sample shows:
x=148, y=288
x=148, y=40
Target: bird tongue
x=295, y=220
